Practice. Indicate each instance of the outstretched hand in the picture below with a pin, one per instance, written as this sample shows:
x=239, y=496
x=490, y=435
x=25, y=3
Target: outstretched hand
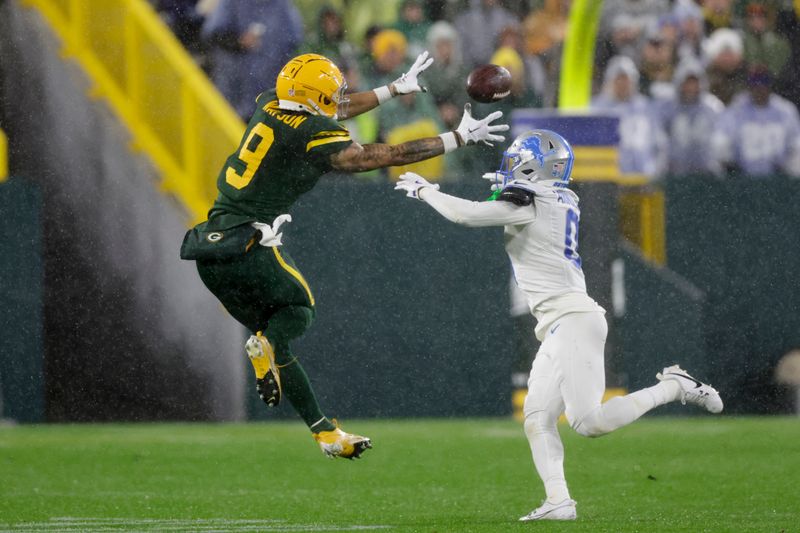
x=473, y=131
x=412, y=183
x=495, y=178
x=409, y=83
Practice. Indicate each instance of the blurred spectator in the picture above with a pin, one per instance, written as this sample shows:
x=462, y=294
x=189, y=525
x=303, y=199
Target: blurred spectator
x=762, y=45
x=405, y=117
x=527, y=72
x=642, y=13
x=689, y=119
x=361, y=15
x=309, y=10
x=788, y=24
x=250, y=41
x=408, y=117
x=204, y=8
x=689, y=18
x=545, y=27
x=480, y=26
x=366, y=62
x=642, y=141
x=544, y=30
x=388, y=56
x=623, y=24
x=759, y=135
x=184, y=20
x=724, y=53
x=625, y=36
x=667, y=28
x=717, y=14
x=414, y=26
x=657, y=64
x=623, y=39
x=446, y=80
x=329, y=39
x=364, y=127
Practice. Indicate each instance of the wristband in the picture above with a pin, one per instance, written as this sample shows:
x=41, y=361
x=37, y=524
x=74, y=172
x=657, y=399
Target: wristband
x=383, y=93
x=450, y=141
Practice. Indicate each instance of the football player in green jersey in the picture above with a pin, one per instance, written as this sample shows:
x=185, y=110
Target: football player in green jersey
x=292, y=139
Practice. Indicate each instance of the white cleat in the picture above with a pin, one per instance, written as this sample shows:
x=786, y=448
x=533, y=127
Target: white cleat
x=692, y=390
x=553, y=511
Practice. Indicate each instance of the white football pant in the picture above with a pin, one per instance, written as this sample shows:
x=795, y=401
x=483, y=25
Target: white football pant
x=568, y=376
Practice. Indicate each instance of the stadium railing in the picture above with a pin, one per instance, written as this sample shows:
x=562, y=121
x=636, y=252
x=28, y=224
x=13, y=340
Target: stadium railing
x=174, y=113
x=3, y=156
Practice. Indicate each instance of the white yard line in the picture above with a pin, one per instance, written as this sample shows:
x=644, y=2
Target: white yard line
x=132, y=525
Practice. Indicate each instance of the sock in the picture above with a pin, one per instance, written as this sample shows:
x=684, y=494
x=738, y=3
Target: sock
x=297, y=389
x=622, y=410
x=284, y=325
x=548, y=455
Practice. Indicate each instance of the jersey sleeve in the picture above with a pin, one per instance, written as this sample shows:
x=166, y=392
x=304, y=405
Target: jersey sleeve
x=477, y=214
x=327, y=137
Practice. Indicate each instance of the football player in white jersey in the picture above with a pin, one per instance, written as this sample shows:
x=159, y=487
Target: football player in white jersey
x=540, y=216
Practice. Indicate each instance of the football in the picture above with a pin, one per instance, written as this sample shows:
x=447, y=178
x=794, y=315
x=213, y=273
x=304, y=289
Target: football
x=489, y=83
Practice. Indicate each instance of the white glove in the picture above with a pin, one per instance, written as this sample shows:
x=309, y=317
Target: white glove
x=269, y=234
x=473, y=131
x=495, y=178
x=408, y=82
x=412, y=183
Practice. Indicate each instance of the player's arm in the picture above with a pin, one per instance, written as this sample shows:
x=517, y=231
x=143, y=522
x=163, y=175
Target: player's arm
x=466, y=212
x=358, y=158
x=406, y=84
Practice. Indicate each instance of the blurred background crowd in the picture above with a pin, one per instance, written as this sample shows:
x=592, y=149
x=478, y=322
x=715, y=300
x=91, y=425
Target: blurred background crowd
x=701, y=86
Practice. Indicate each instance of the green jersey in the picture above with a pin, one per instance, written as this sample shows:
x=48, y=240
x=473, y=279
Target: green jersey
x=282, y=156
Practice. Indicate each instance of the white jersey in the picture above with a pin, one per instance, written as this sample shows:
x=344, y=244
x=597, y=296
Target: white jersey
x=541, y=241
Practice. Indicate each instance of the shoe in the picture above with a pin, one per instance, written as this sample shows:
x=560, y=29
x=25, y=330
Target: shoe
x=553, y=511
x=692, y=390
x=268, y=379
x=338, y=443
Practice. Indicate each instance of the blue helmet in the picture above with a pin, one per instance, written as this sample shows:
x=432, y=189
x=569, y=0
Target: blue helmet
x=538, y=156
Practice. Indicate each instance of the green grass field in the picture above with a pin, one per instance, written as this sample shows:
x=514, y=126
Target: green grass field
x=659, y=474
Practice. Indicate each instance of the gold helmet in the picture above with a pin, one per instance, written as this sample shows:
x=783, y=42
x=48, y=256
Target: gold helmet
x=313, y=84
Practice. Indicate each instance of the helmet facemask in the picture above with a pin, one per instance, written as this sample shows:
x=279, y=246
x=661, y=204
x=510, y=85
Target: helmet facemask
x=339, y=98
x=342, y=101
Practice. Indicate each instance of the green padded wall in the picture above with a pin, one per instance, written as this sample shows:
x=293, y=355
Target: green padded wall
x=21, y=273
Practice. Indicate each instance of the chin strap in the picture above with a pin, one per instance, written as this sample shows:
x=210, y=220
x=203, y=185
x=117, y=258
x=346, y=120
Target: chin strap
x=312, y=108
x=317, y=110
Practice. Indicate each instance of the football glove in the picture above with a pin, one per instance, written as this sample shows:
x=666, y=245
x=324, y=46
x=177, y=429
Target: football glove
x=412, y=183
x=495, y=178
x=408, y=82
x=473, y=131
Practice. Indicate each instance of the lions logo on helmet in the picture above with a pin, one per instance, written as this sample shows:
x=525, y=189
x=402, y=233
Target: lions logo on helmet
x=538, y=156
x=312, y=83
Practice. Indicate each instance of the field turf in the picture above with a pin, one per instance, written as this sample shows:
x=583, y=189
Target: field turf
x=659, y=474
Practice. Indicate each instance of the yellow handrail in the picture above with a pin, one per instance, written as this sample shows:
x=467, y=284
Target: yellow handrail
x=3, y=156
x=172, y=110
